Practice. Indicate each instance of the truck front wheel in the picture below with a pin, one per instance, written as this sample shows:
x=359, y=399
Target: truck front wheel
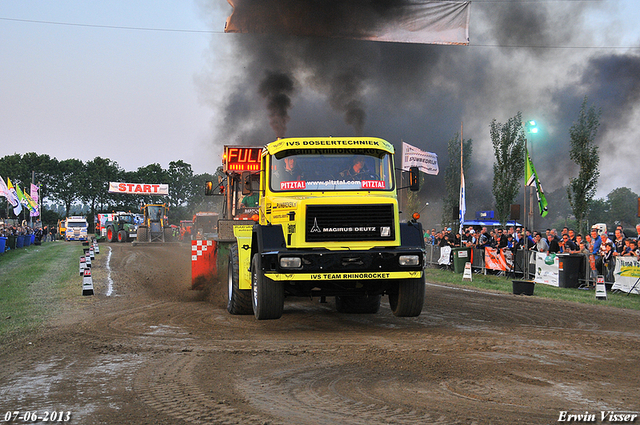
x=362, y=304
x=408, y=299
x=142, y=234
x=111, y=234
x=239, y=301
x=122, y=236
x=267, y=295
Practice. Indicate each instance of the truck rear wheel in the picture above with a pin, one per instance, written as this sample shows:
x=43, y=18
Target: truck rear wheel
x=168, y=234
x=267, y=295
x=361, y=304
x=239, y=301
x=122, y=236
x=408, y=300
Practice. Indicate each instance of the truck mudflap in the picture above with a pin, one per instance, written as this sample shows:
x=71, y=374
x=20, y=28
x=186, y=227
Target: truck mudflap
x=343, y=276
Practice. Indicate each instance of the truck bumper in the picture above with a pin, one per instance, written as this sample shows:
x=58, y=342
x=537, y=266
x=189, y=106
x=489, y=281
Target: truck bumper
x=321, y=265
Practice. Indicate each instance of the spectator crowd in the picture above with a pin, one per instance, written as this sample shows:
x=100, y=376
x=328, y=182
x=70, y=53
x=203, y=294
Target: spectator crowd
x=597, y=243
x=42, y=234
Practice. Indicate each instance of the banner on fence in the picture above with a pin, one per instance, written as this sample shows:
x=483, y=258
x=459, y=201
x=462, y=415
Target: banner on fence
x=498, y=259
x=627, y=275
x=547, y=273
x=445, y=255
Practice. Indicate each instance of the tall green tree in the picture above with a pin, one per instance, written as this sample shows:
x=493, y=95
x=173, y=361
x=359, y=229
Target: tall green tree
x=623, y=206
x=452, y=176
x=66, y=182
x=598, y=211
x=181, y=182
x=584, y=152
x=95, y=191
x=509, y=143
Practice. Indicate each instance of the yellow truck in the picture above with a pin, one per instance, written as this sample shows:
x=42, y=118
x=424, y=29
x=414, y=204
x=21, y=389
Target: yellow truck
x=326, y=225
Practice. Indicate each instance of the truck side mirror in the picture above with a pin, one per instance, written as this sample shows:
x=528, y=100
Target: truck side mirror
x=414, y=178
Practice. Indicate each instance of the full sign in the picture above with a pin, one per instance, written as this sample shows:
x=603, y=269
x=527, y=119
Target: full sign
x=139, y=188
x=239, y=158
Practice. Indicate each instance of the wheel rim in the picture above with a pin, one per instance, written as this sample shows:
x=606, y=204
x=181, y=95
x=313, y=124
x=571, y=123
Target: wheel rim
x=254, y=288
x=109, y=234
x=230, y=280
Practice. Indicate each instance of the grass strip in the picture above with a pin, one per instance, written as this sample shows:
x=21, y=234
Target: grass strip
x=34, y=284
x=504, y=284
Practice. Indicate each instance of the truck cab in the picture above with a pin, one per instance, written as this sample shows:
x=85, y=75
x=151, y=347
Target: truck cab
x=75, y=229
x=327, y=226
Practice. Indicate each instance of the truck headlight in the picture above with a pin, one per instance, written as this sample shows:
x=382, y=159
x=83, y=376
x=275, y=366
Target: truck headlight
x=409, y=260
x=290, y=262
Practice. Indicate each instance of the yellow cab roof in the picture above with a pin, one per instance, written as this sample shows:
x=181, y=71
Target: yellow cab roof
x=329, y=143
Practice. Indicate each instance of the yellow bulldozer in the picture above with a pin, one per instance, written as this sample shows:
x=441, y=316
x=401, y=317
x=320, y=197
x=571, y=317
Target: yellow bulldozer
x=155, y=227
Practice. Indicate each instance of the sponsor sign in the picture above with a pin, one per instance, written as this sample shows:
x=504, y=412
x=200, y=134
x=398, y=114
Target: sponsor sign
x=139, y=188
x=627, y=275
x=547, y=273
x=498, y=259
x=601, y=289
x=467, y=272
x=344, y=276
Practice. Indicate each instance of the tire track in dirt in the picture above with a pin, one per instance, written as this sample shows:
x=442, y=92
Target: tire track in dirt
x=169, y=386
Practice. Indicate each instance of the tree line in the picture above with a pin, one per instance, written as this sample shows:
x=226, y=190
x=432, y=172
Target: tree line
x=71, y=182
x=573, y=205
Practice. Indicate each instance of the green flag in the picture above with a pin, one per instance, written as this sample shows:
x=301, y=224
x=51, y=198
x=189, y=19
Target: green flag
x=532, y=180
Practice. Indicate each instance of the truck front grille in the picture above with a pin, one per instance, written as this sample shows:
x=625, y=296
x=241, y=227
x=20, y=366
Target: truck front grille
x=349, y=223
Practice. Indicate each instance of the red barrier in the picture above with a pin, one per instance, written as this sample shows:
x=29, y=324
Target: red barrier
x=204, y=259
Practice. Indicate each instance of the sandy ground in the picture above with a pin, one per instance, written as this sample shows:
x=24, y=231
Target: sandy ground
x=156, y=352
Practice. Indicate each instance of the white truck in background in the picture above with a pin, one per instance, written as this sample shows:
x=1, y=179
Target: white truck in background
x=76, y=229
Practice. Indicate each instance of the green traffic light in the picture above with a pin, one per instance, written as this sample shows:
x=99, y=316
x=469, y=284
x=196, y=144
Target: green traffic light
x=532, y=127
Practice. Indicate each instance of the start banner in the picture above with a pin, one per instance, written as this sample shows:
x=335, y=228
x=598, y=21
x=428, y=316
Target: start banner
x=139, y=188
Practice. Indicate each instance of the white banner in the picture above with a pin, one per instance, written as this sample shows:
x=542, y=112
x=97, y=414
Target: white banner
x=427, y=162
x=445, y=255
x=547, y=273
x=139, y=188
x=627, y=275
x=409, y=21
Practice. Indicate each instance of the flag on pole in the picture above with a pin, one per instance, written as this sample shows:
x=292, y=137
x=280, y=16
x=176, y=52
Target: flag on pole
x=31, y=204
x=21, y=197
x=532, y=180
x=25, y=199
x=463, y=202
x=4, y=190
x=35, y=197
x=13, y=199
x=427, y=162
x=34, y=192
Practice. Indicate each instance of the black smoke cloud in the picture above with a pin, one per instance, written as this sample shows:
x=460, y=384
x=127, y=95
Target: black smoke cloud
x=422, y=93
x=277, y=88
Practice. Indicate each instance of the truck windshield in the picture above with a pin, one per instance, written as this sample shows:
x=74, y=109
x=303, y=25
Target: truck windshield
x=155, y=212
x=77, y=224
x=331, y=170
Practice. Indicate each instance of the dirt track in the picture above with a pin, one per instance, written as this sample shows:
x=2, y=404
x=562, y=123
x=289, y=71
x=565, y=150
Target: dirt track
x=155, y=352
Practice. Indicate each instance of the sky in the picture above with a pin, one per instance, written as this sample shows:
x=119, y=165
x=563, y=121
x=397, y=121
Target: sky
x=152, y=82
